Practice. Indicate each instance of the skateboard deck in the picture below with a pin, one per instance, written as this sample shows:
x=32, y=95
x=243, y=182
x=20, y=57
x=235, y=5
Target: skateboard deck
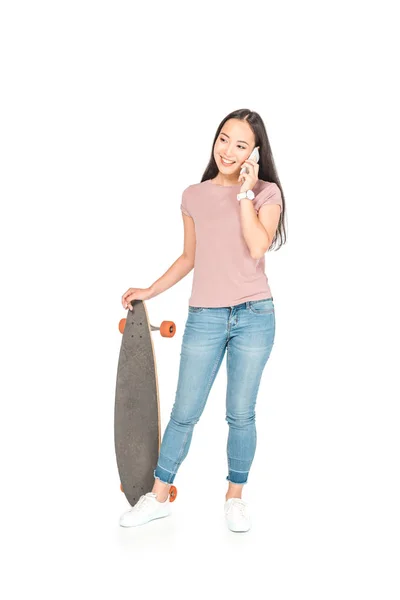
x=137, y=433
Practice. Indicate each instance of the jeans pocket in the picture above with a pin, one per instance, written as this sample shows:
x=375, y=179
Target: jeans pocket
x=262, y=307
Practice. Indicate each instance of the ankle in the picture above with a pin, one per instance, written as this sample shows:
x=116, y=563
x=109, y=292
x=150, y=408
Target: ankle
x=161, y=497
x=161, y=490
x=228, y=496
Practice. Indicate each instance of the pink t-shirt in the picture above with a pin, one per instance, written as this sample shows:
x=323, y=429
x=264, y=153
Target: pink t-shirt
x=224, y=272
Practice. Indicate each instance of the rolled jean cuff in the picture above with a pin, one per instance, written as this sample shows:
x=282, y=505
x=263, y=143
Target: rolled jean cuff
x=163, y=475
x=239, y=477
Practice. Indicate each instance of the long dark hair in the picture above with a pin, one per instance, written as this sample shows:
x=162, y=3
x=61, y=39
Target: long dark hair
x=267, y=170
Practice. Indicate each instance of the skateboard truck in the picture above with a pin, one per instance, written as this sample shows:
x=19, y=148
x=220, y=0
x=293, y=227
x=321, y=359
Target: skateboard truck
x=166, y=329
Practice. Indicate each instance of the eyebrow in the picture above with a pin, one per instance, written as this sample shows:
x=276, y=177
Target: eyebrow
x=243, y=141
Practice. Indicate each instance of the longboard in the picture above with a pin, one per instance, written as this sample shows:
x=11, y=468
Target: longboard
x=137, y=433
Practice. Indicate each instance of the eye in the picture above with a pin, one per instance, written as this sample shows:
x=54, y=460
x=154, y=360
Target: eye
x=241, y=147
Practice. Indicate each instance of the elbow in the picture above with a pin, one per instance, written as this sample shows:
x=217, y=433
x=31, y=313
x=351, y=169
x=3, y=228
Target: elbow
x=258, y=253
x=189, y=260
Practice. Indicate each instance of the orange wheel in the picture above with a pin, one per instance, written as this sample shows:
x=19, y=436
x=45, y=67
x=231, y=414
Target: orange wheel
x=167, y=329
x=122, y=489
x=121, y=325
x=173, y=492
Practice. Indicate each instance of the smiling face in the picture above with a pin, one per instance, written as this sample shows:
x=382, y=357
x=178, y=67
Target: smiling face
x=235, y=143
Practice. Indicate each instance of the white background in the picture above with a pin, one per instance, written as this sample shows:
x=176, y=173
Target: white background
x=108, y=111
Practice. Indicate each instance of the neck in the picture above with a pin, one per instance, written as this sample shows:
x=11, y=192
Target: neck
x=221, y=179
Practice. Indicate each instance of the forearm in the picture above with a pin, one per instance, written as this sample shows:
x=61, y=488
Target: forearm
x=253, y=231
x=180, y=268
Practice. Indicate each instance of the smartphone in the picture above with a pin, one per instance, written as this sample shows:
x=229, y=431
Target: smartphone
x=253, y=156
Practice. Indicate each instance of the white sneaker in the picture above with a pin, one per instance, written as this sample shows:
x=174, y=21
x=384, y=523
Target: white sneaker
x=146, y=509
x=237, y=514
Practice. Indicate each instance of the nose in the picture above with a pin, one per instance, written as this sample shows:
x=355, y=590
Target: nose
x=230, y=154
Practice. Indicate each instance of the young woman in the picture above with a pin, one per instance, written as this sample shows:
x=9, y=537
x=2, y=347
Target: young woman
x=238, y=218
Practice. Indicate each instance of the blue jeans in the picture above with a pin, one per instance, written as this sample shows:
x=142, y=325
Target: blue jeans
x=247, y=331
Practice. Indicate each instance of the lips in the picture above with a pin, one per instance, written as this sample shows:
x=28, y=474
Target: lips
x=228, y=163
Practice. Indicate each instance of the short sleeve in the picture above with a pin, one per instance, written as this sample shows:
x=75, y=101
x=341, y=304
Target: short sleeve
x=184, y=207
x=270, y=194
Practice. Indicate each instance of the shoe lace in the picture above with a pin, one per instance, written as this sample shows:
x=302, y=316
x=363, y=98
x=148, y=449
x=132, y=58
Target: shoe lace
x=238, y=504
x=143, y=502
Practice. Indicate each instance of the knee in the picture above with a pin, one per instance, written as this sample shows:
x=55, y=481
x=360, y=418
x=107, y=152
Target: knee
x=183, y=420
x=240, y=421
